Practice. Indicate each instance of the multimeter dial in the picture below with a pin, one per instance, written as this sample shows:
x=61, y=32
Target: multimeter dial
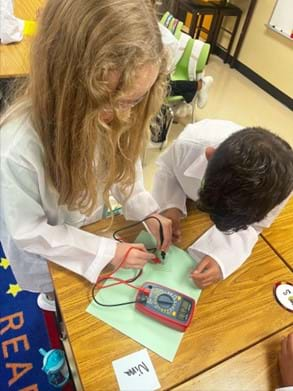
x=166, y=305
x=165, y=301
x=161, y=300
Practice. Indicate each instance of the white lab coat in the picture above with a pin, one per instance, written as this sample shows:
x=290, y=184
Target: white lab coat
x=172, y=47
x=35, y=228
x=181, y=169
x=175, y=49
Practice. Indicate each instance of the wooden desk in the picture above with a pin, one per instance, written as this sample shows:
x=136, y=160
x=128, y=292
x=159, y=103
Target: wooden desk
x=253, y=369
x=14, y=58
x=280, y=235
x=231, y=317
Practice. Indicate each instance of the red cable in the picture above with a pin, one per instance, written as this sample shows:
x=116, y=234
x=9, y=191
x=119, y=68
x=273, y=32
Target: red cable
x=120, y=281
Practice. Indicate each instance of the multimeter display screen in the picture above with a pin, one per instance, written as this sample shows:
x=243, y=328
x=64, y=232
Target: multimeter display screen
x=184, y=310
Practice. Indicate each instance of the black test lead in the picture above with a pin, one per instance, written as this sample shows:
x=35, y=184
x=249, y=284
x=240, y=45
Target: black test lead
x=163, y=254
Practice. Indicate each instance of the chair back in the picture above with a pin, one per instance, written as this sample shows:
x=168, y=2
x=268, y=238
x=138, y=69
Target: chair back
x=192, y=61
x=192, y=54
x=172, y=24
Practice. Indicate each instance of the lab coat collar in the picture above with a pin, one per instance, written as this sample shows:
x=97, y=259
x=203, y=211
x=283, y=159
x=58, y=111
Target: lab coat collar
x=197, y=168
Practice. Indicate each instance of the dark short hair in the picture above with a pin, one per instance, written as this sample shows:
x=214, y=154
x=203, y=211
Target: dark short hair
x=249, y=174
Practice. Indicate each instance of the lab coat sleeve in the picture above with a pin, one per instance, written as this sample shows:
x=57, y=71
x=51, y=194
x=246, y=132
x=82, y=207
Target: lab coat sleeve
x=76, y=250
x=289, y=388
x=141, y=203
x=230, y=251
x=167, y=191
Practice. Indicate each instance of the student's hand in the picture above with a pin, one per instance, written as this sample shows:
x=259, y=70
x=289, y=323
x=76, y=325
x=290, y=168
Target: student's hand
x=154, y=227
x=286, y=360
x=136, y=258
x=206, y=273
x=175, y=215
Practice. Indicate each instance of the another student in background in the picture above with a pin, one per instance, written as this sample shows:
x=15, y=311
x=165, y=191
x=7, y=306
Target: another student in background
x=98, y=75
x=241, y=177
x=189, y=89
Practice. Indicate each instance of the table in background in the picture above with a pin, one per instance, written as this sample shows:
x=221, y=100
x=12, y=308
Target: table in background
x=213, y=34
x=14, y=58
x=231, y=317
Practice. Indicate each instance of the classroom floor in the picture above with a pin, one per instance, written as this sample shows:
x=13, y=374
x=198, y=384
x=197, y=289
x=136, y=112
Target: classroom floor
x=232, y=97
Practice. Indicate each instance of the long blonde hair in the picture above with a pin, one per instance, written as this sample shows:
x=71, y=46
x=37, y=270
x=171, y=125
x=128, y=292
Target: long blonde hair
x=78, y=43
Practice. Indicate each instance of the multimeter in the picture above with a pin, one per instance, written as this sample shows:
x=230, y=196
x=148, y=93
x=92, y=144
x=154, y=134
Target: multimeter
x=172, y=308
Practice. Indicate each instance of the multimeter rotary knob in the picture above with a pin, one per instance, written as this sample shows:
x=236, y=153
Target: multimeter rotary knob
x=165, y=301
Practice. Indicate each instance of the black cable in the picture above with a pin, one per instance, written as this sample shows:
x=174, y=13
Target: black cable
x=118, y=304
x=163, y=254
x=140, y=272
x=112, y=305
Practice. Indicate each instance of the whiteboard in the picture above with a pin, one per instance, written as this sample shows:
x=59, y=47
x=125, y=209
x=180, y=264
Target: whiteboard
x=282, y=18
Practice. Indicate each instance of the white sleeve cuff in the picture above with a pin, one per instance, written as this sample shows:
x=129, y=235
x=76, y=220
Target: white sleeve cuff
x=230, y=251
x=196, y=255
x=289, y=388
x=106, y=252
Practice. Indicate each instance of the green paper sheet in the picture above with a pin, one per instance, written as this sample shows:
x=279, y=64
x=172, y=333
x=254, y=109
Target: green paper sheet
x=174, y=273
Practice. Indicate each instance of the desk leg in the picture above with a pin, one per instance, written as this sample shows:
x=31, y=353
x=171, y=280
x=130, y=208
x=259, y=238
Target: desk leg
x=193, y=24
x=217, y=26
x=235, y=28
x=211, y=38
x=243, y=31
x=200, y=23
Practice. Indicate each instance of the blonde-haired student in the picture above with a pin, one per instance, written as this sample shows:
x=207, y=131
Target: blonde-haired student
x=98, y=75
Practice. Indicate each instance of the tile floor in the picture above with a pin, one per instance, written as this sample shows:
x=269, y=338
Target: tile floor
x=233, y=97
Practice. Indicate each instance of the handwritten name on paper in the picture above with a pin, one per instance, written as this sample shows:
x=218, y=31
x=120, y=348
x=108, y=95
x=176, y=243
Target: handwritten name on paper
x=136, y=372
x=138, y=369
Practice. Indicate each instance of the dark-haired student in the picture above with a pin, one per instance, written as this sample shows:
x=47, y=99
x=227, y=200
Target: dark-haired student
x=242, y=177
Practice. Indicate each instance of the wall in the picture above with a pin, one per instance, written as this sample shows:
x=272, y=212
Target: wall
x=266, y=52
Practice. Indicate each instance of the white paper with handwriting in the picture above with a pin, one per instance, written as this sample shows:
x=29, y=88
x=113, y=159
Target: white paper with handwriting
x=135, y=372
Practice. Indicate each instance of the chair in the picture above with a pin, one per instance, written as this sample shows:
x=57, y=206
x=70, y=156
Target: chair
x=190, y=66
x=193, y=60
x=173, y=24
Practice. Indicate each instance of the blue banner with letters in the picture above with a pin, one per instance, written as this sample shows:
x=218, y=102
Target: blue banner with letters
x=22, y=333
